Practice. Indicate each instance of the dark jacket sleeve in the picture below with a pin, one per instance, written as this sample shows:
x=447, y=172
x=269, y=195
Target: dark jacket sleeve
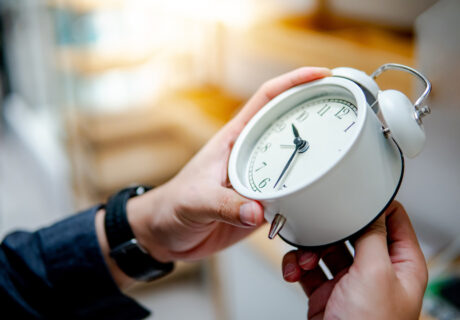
x=59, y=272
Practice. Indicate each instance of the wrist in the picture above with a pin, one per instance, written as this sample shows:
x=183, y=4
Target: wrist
x=120, y=278
x=130, y=248
x=143, y=214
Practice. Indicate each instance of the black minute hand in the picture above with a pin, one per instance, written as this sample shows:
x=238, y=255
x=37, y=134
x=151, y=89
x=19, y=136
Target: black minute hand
x=287, y=165
x=300, y=144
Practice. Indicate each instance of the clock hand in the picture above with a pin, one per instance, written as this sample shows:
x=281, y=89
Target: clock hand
x=296, y=132
x=300, y=145
x=287, y=165
x=303, y=144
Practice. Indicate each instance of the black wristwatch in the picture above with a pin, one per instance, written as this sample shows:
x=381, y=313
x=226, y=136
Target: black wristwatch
x=132, y=259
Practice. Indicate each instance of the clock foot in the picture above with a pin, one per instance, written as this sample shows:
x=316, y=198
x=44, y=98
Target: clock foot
x=277, y=224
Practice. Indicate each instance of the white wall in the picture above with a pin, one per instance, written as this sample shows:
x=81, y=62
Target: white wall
x=431, y=187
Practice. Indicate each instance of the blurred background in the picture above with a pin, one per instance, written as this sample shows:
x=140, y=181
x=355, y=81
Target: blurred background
x=99, y=94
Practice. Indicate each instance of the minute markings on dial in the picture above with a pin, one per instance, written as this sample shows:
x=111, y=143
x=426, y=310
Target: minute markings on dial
x=340, y=110
x=346, y=129
x=280, y=126
x=302, y=116
x=263, y=165
x=251, y=176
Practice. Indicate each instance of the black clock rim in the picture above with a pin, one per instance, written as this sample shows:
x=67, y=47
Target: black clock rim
x=360, y=231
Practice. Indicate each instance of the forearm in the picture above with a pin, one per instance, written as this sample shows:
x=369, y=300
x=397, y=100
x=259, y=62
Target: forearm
x=59, y=270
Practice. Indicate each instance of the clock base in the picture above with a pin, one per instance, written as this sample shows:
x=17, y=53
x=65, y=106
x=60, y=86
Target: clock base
x=363, y=229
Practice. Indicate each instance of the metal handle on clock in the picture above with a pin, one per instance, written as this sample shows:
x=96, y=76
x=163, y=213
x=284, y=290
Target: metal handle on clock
x=420, y=111
x=276, y=226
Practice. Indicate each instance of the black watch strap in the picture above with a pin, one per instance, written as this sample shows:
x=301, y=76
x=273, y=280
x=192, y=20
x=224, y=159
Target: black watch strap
x=124, y=248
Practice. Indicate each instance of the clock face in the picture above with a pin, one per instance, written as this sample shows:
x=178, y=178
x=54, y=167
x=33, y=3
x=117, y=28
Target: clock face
x=325, y=129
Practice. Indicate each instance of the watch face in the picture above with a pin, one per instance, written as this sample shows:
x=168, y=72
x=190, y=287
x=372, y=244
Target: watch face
x=301, y=144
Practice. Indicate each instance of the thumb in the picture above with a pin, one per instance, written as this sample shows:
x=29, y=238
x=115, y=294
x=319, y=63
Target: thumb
x=372, y=246
x=228, y=206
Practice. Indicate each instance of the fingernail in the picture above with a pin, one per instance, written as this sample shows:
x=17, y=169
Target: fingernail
x=324, y=70
x=247, y=213
x=288, y=270
x=306, y=258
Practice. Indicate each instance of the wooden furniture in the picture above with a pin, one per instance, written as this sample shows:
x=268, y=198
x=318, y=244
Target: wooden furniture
x=273, y=47
x=142, y=145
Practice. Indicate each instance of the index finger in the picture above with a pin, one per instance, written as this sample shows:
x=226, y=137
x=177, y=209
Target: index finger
x=275, y=86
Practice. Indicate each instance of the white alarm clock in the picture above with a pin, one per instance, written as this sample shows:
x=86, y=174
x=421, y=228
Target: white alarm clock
x=325, y=158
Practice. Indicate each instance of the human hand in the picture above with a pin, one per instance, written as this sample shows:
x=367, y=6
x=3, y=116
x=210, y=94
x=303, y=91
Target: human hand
x=386, y=280
x=197, y=212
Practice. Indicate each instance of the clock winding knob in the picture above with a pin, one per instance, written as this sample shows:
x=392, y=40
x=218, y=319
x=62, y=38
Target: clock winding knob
x=277, y=224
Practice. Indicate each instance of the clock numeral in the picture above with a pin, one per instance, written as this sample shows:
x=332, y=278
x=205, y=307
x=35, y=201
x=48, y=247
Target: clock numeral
x=342, y=112
x=264, y=164
x=284, y=186
x=264, y=182
x=351, y=125
x=280, y=126
x=266, y=147
x=324, y=109
x=301, y=117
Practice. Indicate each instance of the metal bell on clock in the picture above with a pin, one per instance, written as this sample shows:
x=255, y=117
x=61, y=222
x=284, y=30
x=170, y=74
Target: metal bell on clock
x=403, y=118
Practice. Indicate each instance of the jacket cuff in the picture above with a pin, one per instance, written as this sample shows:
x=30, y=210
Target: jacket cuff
x=78, y=273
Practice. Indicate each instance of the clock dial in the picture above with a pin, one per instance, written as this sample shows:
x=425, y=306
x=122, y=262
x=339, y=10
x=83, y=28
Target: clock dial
x=327, y=125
